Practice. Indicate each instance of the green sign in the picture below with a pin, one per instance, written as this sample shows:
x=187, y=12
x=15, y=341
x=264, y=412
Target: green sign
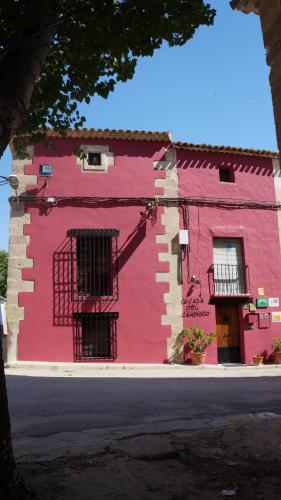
x=262, y=302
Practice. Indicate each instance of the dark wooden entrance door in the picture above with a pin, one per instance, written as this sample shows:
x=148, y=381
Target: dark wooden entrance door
x=228, y=339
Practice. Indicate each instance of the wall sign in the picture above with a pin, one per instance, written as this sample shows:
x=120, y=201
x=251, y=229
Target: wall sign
x=192, y=308
x=273, y=302
x=276, y=316
x=262, y=302
x=261, y=292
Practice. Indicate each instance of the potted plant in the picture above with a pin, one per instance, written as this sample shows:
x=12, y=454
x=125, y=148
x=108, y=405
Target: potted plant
x=197, y=340
x=257, y=359
x=277, y=349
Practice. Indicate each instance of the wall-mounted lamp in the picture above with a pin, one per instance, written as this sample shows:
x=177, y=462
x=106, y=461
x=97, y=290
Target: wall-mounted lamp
x=152, y=210
x=194, y=280
x=13, y=181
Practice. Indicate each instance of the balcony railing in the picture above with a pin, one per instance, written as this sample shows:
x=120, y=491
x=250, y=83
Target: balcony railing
x=229, y=279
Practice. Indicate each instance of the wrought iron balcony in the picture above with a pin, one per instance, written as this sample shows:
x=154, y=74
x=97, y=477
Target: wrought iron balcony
x=229, y=280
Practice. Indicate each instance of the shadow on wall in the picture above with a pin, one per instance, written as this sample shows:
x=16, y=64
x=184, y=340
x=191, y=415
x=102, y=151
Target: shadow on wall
x=121, y=147
x=245, y=166
x=63, y=306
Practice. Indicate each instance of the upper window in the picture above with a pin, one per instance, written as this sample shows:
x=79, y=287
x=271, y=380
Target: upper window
x=94, y=264
x=226, y=174
x=94, y=159
x=229, y=276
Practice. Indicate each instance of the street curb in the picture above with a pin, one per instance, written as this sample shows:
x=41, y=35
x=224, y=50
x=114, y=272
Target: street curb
x=38, y=368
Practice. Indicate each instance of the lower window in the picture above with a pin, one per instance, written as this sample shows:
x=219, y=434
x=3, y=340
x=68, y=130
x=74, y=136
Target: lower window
x=95, y=336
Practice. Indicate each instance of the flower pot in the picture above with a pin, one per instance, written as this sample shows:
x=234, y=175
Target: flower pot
x=257, y=360
x=277, y=357
x=197, y=358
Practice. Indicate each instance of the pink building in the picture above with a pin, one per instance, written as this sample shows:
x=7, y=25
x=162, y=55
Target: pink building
x=110, y=255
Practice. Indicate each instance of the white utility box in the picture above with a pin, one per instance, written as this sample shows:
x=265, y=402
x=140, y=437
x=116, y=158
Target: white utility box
x=183, y=237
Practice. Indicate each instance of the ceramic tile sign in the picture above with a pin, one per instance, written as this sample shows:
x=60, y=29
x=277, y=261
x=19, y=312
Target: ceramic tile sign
x=273, y=302
x=262, y=302
x=276, y=316
x=261, y=292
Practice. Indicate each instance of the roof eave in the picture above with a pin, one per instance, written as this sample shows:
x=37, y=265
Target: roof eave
x=226, y=150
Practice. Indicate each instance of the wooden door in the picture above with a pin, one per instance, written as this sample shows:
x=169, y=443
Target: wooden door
x=228, y=339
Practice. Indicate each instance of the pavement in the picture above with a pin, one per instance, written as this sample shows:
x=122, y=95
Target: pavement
x=117, y=370
x=139, y=432
x=238, y=459
x=54, y=410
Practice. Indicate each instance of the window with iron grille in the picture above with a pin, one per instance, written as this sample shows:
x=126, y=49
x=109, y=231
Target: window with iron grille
x=95, y=336
x=94, y=273
x=229, y=270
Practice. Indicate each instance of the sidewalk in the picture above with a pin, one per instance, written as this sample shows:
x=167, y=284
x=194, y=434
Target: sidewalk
x=99, y=370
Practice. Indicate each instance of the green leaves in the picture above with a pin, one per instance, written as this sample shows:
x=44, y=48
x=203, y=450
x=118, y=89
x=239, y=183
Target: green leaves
x=95, y=44
x=3, y=272
x=196, y=338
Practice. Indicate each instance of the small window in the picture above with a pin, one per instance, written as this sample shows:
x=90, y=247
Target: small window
x=226, y=174
x=94, y=159
x=95, y=336
x=94, y=273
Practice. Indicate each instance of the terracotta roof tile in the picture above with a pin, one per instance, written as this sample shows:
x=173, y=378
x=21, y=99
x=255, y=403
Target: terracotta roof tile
x=94, y=133
x=262, y=153
x=144, y=135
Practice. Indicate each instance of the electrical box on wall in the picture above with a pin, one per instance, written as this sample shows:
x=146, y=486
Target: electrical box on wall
x=252, y=318
x=264, y=320
x=46, y=170
x=183, y=237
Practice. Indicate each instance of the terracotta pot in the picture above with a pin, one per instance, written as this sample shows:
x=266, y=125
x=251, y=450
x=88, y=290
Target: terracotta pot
x=197, y=358
x=257, y=360
x=277, y=357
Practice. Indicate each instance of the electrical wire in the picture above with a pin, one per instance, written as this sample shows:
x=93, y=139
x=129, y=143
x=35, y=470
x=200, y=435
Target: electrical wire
x=224, y=203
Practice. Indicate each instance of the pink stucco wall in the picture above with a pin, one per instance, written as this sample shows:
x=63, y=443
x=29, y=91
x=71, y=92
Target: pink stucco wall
x=140, y=336
x=257, y=228
x=46, y=331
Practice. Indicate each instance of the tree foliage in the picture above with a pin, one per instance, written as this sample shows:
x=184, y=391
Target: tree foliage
x=57, y=53
x=3, y=272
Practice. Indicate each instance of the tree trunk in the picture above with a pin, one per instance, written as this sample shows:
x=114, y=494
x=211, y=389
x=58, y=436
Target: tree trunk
x=11, y=485
x=20, y=67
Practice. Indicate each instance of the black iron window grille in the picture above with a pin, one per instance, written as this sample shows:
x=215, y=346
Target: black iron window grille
x=95, y=336
x=229, y=279
x=94, y=267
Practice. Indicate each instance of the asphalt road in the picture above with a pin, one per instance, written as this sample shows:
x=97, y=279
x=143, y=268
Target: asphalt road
x=54, y=415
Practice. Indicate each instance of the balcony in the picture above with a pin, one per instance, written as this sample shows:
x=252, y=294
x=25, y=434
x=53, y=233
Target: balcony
x=226, y=280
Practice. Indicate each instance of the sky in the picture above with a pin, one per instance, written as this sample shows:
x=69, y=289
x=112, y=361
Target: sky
x=213, y=90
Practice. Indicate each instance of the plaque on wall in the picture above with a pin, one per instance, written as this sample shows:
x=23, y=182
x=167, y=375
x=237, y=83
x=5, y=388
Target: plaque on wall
x=262, y=302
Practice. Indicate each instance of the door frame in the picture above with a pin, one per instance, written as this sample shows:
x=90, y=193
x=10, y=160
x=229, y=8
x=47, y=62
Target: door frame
x=240, y=324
